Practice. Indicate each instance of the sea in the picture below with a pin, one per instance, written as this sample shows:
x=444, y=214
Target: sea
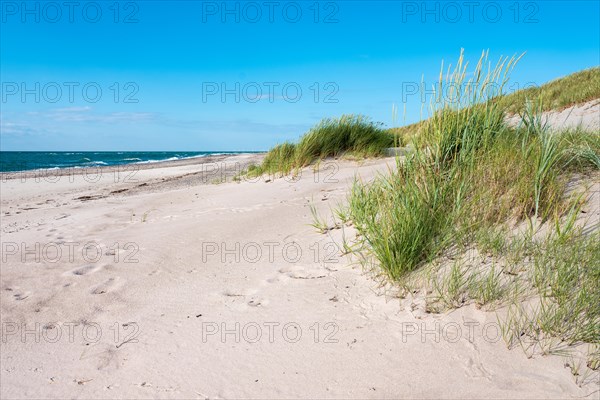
x=13, y=161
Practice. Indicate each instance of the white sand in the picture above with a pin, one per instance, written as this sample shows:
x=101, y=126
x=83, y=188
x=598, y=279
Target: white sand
x=585, y=116
x=180, y=290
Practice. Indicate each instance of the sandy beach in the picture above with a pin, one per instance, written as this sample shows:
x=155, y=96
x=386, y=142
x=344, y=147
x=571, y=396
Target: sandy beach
x=299, y=200
x=178, y=282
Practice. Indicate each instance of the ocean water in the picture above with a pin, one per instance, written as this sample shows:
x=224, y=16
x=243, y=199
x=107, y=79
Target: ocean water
x=11, y=161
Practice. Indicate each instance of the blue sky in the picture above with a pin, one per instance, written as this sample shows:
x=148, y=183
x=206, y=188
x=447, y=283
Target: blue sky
x=161, y=67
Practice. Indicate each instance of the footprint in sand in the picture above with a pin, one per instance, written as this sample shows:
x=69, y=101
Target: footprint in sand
x=17, y=293
x=21, y=296
x=257, y=302
x=238, y=292
x=475, y=369
x=248, y=297
x=110, y=285
x=277, y=279
x=299, y=272
x=84, y=270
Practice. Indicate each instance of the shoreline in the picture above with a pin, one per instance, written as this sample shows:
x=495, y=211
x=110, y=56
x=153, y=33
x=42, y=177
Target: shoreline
x=138, y=165
x=87, y=184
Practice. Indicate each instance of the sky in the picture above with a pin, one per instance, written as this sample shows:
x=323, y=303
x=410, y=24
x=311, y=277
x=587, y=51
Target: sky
x=246, y=75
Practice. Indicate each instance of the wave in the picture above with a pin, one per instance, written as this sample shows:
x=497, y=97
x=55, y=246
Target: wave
x=155, y=161
x=181, y=158
x=93, y=163
x=56, y=160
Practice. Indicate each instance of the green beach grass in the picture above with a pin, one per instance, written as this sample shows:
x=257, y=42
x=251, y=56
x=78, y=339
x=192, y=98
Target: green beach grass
x=357, y=136
x=476, y=191
x=349, y=135
x=558, y=94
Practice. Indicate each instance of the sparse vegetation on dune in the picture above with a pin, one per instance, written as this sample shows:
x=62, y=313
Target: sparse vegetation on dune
x=558, y=94
x=479, y=212
x=348, y=135
x=458, y=200
x=357, y=136
x=576, y=88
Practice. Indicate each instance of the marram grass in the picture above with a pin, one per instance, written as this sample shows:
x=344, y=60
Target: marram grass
x=469, y=180
x=469, y=171
x=577, y=88
x=332, y=137
x=409, y=216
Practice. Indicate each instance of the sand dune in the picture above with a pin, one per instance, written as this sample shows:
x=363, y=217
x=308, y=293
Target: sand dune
x=585, y=116
x=178, y=286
